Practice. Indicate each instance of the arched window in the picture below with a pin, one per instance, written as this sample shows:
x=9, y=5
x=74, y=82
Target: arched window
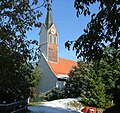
x=50, y=38
x=55, y=40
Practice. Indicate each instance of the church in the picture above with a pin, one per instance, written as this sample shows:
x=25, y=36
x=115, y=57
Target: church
x=54, y=69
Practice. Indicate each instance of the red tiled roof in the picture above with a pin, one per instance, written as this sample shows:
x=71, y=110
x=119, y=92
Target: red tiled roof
x=62, y=67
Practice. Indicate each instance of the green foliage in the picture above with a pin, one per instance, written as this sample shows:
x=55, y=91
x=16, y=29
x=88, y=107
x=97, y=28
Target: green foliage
x=73, y=87
x=35, y=103
x=93, y=93
x=110, y=72
x=36, y=75
x=17, y=17
x=103, y=29
x=98, y=84
x=76, y=105
x=54, y=94
x=19, y=83
x=76, y=82
x=103, y=79
x=42, y=97
x=12, y=86
x=34, y=80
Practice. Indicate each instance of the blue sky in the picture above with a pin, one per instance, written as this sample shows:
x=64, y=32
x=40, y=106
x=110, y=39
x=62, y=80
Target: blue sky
x=68, y=25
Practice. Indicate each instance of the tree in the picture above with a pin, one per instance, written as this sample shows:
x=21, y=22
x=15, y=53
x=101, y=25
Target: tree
x=95, y=92
x=103, y=29
x=77, y=81
x=16, y=51
x=110, y=72
x=36, y=76
x=98, y=84
x=85, y=82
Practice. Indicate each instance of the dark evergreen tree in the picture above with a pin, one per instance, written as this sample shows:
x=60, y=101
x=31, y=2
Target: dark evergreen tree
x=98, y=84
x=77, y=81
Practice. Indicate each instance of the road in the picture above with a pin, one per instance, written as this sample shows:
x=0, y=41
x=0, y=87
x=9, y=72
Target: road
x=48, y=109
x=56, y=106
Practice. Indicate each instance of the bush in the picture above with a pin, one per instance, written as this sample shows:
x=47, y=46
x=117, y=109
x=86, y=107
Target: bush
x=96, y=84
x=73, y=87
x=42, y=98
x=54, y=94
x=77, y=81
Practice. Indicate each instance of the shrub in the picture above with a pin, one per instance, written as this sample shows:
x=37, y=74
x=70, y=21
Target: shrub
x=96, y=84
x=73, y=87
x=77, y=81
x=54, y=94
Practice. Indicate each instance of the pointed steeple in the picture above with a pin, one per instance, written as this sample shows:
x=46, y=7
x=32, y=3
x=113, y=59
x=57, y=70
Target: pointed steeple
x=48, y=21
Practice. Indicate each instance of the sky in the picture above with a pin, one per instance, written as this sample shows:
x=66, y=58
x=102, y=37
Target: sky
x=68, y=25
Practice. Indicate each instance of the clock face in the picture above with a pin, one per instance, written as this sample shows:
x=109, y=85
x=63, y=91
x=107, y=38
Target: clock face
x=53, y=31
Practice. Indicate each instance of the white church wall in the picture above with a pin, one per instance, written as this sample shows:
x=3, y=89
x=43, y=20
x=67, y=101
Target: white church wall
x=48, y=79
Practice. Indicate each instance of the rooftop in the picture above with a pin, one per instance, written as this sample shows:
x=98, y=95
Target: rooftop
x=63, y=67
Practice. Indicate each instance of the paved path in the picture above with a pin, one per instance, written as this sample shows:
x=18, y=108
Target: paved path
x=48, y=109
x=56, y=106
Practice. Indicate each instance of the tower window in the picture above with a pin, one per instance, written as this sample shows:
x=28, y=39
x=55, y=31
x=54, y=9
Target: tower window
x=55, y=40
x=52, y=39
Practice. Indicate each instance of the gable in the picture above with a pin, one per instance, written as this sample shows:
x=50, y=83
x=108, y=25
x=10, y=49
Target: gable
x=53, y=27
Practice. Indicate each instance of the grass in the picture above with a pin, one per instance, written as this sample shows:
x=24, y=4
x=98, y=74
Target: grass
x=76, y=105
x=35, y=103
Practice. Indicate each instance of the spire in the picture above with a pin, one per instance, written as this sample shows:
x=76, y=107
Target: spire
x=48, y=21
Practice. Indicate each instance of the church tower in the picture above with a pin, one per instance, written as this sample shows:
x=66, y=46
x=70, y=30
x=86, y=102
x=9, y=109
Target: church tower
x=49, y=37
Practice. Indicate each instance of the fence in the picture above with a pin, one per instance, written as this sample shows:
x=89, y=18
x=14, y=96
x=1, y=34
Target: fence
x=14, y=107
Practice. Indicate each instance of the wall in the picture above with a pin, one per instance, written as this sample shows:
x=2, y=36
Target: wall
x=48, y=79
x=44, y=41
